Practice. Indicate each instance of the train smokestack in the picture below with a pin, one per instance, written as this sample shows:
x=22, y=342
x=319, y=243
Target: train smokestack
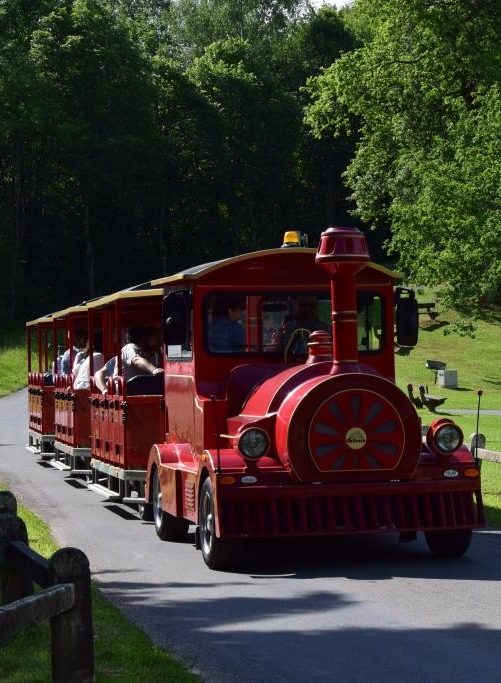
x=343, y=252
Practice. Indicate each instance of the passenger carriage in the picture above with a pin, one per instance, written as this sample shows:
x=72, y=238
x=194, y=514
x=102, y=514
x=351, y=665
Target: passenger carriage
x=72, y=412
x=39, y=339
x=126, y=420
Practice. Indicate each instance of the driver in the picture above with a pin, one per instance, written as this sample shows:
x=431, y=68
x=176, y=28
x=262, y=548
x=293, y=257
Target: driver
x=304, y=315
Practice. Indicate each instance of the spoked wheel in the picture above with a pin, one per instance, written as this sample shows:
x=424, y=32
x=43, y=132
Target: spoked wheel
x=168, y=527
x=449, y=543
x=145, y=511
x=216, y=552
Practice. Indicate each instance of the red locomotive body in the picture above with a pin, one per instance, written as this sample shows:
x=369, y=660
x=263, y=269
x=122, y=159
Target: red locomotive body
x=40, y=387
x=274, y=437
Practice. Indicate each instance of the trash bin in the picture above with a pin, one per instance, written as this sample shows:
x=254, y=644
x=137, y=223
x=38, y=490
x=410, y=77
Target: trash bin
x=447, y=378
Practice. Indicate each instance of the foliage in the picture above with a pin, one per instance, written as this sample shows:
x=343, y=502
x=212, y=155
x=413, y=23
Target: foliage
x=139, y=137
x=424, y=88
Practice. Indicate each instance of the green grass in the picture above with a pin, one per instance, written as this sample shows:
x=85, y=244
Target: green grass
x=477, y=363
x=123, y=652
x=13, y=369
x=491, y=491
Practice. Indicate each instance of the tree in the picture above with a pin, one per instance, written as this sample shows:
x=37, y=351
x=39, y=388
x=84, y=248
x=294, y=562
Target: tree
x=423, y=85
x=99, y=86
x=258, y=136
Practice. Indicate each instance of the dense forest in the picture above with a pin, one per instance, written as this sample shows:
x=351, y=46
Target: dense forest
x=139, y=137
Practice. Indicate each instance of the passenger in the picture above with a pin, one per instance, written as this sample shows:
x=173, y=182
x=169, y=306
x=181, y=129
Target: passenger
x=154, y=353
x=79, y=343
x=108, y=371
x=304, y=316
x=81, y=366
x=226, y=333
x=135, y=355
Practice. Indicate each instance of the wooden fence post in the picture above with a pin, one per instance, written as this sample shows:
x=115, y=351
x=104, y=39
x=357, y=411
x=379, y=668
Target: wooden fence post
x=8, y=502
x=13, y=583
x=72, y=631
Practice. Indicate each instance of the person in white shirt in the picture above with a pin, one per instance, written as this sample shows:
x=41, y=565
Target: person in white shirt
x=108, y=370
x=81, y=366
x=80, y=343
x=136, y=357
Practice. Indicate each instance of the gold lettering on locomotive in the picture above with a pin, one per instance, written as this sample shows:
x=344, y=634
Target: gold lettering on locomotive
x=355, y=438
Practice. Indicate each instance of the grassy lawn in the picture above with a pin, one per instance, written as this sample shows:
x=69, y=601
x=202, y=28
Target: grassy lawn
x=476, y=361
x=122, y=651
x=13, y=370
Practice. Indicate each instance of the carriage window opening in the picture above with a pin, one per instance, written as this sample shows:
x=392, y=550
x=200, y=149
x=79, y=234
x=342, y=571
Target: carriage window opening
x=369, y=322
x=177, y=325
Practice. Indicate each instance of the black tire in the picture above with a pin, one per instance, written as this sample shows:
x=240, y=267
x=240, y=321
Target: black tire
x=145, y=511
x=215, y=551
x=168, y=527
x=449, y=543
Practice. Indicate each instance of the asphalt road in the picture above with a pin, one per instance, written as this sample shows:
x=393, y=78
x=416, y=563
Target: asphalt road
x=363, y=610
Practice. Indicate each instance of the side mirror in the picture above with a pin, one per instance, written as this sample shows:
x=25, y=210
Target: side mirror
x=175, y=317
x=406, y=317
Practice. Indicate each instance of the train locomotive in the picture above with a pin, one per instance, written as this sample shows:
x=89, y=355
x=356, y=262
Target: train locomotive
x=278, y=414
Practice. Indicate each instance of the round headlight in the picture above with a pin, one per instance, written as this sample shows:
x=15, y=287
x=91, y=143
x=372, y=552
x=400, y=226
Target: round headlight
x=253, y=443
x=448, y=438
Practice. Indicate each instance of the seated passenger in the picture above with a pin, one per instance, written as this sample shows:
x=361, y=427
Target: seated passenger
x=135, y=355
x=108, y=371
x=304, y=315
x=79, y=344
x=226, y=333
x=81, y=366
x=154, y=353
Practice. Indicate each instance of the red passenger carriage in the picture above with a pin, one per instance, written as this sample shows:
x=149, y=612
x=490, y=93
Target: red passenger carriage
x=39, y=336
x=130, y=416
x=72, y=412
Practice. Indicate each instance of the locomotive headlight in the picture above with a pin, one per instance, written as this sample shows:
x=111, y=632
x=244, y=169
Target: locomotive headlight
x=253, y=443
x=444, y=436
x=448, y=438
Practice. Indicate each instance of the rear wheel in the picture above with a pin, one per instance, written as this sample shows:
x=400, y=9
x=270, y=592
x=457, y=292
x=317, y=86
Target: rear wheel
x=168, y=527
x=449, y=543
x=215, y=551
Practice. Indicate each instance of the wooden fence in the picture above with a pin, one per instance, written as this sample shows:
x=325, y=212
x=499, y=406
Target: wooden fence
x=65, y=598
x=478, y=441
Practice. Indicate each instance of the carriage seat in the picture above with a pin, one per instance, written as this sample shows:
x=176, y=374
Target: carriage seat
x=48, y=379
x=146, y=385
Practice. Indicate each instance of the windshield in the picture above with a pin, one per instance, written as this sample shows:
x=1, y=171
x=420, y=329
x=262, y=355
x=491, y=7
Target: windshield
x=244, y=323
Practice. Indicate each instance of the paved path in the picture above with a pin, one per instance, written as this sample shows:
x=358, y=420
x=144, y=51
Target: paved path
x=366, y=610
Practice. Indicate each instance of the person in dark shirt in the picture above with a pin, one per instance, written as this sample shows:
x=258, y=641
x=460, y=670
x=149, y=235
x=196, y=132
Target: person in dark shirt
x=304, y=316
x=226, y=333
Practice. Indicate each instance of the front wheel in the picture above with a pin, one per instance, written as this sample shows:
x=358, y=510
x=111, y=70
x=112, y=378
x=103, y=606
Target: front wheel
x=449, y=543
x=215, y=551
x=145, y=511
x=168, y=527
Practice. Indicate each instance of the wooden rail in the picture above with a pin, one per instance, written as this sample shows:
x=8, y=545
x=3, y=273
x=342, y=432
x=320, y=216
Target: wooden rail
x=478, y=441
x=65, y=598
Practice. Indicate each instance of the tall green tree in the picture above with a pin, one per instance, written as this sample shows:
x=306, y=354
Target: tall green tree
x=424, y=86
x=99, y=86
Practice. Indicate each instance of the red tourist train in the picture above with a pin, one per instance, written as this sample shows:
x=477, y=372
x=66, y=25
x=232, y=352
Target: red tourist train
x=277, y=414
